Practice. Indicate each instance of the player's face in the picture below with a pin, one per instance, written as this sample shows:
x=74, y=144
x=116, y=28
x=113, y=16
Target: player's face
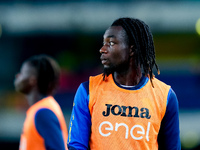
x=25, y=80
x=115, y=52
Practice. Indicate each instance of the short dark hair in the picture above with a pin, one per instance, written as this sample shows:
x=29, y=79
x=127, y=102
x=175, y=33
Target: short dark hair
x=48, y=72
x=140, y=36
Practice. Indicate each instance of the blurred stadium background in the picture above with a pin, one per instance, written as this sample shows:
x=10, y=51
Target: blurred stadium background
x=71, y=31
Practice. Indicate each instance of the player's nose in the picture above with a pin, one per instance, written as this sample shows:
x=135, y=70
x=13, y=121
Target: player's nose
x=17, y=75
x=103, y=49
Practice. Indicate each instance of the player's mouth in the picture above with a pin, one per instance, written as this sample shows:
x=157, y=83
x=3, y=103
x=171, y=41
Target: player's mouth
x=104, y=61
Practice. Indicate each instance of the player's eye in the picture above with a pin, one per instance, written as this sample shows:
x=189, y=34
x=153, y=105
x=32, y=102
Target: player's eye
x=111, y=43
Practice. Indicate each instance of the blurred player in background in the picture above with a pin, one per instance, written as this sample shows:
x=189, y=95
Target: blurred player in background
x=44, y=126
x=126, y=107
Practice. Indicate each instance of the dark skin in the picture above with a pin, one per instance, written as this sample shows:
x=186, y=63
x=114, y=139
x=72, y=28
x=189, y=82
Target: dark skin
x=118, y=55
x=26, y=83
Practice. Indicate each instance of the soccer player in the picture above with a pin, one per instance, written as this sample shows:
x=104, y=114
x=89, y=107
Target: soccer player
x=44, y=126
x=125, y=107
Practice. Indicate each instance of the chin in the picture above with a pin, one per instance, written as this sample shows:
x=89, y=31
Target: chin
x=108, y=71
x=106, y=66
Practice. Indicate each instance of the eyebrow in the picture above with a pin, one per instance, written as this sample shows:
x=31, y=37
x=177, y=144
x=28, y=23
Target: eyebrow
x=111, y=36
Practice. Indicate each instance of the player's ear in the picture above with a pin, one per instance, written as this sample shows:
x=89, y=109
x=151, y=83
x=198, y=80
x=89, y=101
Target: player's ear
x=33, y=80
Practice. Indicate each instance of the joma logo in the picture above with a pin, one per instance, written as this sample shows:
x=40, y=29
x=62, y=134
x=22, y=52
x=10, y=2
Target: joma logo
x=121, y=110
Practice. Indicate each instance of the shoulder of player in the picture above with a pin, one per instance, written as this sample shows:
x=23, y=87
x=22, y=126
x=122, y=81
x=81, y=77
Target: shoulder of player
x=159, y=82
x=43, y=114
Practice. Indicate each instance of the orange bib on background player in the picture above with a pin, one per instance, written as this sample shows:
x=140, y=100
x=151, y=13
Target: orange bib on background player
x=30, y=138
x=126, y=119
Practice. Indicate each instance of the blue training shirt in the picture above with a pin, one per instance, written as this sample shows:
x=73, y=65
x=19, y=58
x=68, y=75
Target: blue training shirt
x=48, y=127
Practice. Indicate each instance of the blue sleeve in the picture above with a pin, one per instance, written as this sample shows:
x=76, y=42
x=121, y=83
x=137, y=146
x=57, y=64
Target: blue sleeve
x=80, y=122
x=169, y=134
x=48, y=127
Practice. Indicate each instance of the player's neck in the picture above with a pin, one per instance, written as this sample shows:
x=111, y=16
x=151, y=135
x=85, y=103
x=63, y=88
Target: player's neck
x=34, y=97
x=130, y=78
